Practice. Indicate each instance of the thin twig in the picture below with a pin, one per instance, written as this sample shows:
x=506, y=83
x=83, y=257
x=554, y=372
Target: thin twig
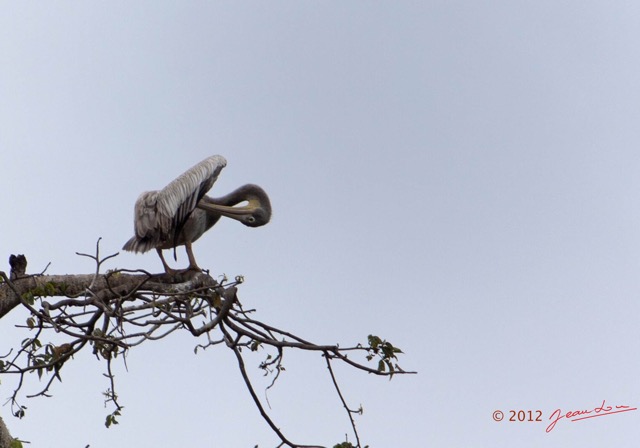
x=233, y=345
x=344, y=403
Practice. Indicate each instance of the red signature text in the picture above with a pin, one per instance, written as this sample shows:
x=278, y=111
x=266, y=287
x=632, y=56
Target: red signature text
x=574, y=416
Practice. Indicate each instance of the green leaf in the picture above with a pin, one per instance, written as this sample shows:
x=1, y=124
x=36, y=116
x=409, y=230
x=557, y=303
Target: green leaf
x=111, y=419
x=374, y=341
x=28, y=297
x=20, y=412
x=343, y=445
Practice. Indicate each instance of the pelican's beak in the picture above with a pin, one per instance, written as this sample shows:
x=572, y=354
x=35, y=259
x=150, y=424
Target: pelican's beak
x=232, y=212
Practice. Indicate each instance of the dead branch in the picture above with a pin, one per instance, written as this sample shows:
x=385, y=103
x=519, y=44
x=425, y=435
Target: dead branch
x=119, y=310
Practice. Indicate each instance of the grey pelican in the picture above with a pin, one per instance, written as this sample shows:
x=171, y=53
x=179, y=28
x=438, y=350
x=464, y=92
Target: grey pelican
x=180, y=213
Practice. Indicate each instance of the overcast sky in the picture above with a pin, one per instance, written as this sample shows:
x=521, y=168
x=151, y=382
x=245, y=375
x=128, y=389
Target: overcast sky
x=460, y=178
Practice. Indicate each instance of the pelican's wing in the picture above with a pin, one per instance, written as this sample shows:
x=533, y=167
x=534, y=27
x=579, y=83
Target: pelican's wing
x=178, y=199
x=160, y=215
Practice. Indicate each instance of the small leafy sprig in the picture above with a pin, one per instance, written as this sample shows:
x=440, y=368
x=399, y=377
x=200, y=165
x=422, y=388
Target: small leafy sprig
x=386, y=352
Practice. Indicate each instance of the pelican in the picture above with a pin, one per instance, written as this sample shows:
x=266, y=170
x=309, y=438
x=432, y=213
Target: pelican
x=181, y=213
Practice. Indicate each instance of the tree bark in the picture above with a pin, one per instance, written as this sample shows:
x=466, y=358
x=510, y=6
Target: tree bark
x=107, y=285
x=5, y=437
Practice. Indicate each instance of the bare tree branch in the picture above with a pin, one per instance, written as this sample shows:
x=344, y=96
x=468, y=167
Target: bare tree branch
x=119, y=310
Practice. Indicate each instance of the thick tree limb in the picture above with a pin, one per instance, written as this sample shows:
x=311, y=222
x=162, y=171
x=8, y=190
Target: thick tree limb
x=5, y=437
x=105, y=285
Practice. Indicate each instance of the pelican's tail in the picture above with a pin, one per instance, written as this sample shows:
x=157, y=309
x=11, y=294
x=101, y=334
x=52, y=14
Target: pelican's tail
x=138, y=245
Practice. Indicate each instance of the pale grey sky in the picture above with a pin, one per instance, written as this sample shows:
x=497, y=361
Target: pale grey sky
x=458, y=177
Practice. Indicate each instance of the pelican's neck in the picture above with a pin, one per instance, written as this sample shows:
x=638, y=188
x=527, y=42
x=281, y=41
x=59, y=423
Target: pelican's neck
x=242, y=194
x=235, y=197
x=255, y=213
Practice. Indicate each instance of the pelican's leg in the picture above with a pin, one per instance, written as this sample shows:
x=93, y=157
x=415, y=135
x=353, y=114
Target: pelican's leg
x=167, y=269
x=192, y=260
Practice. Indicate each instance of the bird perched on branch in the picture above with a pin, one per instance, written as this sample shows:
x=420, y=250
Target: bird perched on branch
x=181, y=212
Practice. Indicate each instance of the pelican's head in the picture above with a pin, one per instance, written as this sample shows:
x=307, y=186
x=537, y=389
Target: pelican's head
x=255, y=213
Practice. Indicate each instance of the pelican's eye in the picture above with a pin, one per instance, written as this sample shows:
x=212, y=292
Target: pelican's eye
x=251, y=219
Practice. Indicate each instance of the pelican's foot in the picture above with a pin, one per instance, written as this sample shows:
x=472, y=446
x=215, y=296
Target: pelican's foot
x=171, y=272
x=179, y=275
